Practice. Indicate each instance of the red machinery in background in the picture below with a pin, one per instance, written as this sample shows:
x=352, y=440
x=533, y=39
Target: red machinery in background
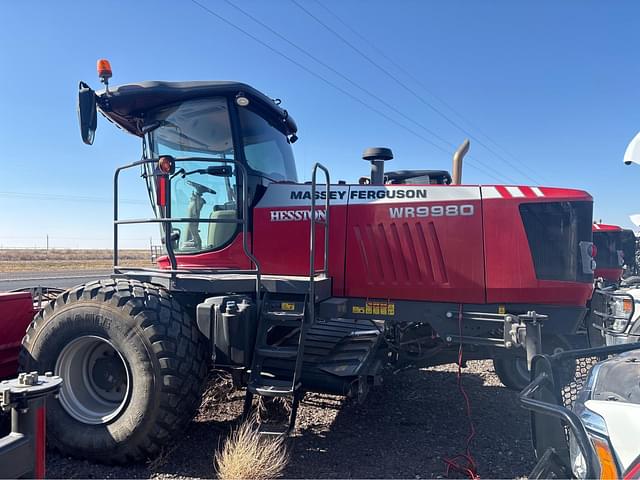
x=16, y=312
x=22, y=399
x=615, y=249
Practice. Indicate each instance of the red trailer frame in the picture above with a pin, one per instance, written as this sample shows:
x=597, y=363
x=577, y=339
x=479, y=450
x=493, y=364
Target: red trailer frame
x=16, y=312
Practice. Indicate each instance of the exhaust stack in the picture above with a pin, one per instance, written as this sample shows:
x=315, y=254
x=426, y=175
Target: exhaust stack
x=457, y=162
x=377, y=156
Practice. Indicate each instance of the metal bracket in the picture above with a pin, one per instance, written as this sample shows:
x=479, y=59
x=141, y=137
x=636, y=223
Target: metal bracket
x=524, y=331
x=17, y=393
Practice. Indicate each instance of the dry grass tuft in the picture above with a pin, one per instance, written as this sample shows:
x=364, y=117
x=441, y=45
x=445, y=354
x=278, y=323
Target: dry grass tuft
x=247, y=454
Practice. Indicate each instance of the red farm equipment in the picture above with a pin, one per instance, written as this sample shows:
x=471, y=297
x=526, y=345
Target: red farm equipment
x=22, y=399
x=292, y=286
x=16, y=312
x=615, y=251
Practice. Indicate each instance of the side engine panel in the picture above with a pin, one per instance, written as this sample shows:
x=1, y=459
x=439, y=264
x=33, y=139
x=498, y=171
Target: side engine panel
x=415, y=243
x=441, y=243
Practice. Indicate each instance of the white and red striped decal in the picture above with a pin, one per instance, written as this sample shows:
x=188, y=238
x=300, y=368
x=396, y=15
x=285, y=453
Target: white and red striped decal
x=502, y=191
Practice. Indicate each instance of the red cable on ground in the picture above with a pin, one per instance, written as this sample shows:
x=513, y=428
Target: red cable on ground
x=469, y=467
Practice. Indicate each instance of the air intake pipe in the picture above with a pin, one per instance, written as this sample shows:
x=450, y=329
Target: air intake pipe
x=377, y=156
x=457, y=162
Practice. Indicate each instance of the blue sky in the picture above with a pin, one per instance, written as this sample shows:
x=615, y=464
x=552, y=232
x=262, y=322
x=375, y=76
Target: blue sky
x=554, y=86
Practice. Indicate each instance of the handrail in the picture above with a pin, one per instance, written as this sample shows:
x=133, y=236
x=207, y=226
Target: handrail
x=310, y=316
x=313, y=221
x=572, y=421
x=166, y=222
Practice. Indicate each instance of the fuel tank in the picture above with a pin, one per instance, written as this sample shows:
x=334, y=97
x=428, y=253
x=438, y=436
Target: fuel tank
x=441, y=243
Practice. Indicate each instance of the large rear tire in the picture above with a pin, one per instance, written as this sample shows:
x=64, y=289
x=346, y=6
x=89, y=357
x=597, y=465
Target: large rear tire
x=133, y=365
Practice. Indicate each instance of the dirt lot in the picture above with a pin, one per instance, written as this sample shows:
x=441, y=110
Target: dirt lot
x=29, y=260
x=404, y=430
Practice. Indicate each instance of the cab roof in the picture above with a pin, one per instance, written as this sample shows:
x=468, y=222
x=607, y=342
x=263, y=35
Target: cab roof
x=603, y=227
x=127, y=104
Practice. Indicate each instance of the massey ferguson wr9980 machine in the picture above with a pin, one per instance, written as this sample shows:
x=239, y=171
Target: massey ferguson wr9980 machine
x=292, y=286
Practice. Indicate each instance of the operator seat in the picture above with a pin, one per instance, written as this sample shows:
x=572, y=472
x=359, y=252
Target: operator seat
x=221, y=233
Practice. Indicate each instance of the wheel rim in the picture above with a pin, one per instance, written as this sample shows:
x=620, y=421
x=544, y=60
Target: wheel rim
x=97, y=380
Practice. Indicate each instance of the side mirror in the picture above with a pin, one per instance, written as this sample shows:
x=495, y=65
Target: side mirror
x=87, y=113
x=632, y=154
x=220, y=170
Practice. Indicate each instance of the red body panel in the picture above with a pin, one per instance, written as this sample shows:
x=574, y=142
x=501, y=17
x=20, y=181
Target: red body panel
x=16, y=312
x=511, y=276
x=282, y=247
x=429, y=258
x=231, y=256
x=444, y=243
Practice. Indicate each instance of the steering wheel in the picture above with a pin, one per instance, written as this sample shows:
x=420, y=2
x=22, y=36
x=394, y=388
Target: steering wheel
x=201, y=188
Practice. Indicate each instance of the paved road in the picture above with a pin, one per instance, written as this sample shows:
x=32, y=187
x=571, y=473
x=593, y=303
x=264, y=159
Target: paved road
x=59, y=279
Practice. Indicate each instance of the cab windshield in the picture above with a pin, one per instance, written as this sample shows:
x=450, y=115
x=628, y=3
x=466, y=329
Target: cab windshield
x=201, y=128
x=198, y=128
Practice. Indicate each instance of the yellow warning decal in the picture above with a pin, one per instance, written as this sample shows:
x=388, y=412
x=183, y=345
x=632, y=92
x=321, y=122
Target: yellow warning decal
x=287, y=306
x=502, y=309
x=375, y=308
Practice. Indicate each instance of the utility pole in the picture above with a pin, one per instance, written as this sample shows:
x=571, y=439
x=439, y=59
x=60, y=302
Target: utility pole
x=47, y=243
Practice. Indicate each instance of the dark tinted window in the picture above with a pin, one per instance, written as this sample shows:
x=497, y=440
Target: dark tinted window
x=554, y=231
x=607, y=245
x=629, y=247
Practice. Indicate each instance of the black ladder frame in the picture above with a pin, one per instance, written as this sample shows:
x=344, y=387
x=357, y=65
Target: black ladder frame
x=309, y=310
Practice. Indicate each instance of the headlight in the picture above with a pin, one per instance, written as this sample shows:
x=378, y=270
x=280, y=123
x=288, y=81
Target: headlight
x=621, y=308
x=578, y=462
x=598, y=435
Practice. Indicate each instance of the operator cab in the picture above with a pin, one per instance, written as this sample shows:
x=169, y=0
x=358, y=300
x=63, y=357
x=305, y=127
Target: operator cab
x=202, y=127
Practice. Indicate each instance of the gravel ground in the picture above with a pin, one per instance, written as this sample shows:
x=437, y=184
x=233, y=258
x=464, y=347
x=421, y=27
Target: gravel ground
x=404, y=430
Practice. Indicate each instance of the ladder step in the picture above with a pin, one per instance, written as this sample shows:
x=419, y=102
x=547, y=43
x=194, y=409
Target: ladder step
x=272, y=388
x=283, y=317
x=273, y=429
x=277, y=352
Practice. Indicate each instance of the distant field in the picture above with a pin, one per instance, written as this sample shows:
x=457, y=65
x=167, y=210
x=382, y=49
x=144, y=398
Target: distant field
x=24, y=260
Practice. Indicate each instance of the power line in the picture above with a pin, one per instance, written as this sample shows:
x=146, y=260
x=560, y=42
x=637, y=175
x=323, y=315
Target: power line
x=324, y=79
x=341, y=75
x=410, y=90
x=424, y=87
